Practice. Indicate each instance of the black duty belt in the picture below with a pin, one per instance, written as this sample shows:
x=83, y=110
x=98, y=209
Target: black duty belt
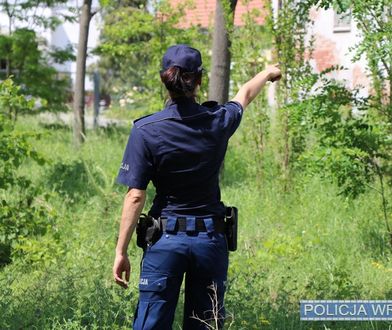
x=181, y=224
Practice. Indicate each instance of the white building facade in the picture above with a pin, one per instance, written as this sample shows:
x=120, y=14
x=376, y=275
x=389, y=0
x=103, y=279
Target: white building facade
x=64, y=36
x=334, y=35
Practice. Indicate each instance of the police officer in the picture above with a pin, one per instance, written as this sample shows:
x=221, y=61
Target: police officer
x=181, y=149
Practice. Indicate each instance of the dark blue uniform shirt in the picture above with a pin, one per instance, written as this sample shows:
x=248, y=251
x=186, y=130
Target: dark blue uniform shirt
x=181, y=149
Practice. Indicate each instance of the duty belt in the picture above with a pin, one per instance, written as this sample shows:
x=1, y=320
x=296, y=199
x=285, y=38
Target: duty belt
x=181, y=224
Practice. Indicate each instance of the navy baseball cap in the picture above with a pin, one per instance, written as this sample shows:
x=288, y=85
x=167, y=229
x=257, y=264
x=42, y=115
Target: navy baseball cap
x=183, y=56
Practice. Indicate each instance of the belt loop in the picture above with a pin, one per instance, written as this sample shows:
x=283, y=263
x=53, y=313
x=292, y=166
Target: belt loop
x=171, y=223
x=190, y=224
x=209, y=223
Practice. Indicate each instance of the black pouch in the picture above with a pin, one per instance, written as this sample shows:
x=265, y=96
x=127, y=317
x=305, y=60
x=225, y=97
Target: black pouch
x=148, y=231
x=231, y=227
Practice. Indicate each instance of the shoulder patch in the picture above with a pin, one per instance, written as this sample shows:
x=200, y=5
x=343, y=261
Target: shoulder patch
x=209, y=104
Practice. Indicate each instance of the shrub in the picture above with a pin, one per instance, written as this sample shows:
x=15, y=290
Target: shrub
x=23, y=211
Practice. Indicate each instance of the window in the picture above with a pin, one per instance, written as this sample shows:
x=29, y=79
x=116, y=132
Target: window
x=342, y=22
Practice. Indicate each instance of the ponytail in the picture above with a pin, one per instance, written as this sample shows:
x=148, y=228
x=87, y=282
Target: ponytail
x=180, y=83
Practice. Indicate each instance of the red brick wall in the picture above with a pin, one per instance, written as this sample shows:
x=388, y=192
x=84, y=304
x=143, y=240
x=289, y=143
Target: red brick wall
x=202, y=12
x=324, y=53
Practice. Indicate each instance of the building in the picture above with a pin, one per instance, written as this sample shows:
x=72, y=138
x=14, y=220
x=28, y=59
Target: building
x=334, y=36
x=65, y=35
x=201, y=12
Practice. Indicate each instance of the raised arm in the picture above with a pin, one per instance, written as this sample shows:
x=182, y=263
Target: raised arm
x=252, y=88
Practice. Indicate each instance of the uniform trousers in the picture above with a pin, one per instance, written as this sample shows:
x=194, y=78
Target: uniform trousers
x=203, y=258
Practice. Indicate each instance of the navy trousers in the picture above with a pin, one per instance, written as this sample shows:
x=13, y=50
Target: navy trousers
x=203, y=258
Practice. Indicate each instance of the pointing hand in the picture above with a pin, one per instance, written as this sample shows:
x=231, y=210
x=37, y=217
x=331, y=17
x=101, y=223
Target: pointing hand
x=274, y=73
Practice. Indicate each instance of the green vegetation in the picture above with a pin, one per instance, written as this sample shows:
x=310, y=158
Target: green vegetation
x=312, y=178
x=27, y=58
x=303, y=244
x=132, y=43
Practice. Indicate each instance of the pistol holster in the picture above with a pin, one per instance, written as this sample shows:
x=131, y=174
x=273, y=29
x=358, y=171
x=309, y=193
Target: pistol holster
x=231, y=219
x=148, y=231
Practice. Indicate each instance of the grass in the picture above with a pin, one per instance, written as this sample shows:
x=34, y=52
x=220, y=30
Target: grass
x=126, y=114
x=305, y=243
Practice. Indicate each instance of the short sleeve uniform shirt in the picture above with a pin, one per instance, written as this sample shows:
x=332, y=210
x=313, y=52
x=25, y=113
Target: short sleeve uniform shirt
x=181, y=149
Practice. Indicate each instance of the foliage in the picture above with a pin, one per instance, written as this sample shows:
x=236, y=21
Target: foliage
x=23, y=209
x=250, y=52
x=289, y=31
x=28, y=64
x=374, y=21
x=133, y=42
x=30, y=13
x=292, y=245
x=321, y=123
x=346, y=144
x=11, y=101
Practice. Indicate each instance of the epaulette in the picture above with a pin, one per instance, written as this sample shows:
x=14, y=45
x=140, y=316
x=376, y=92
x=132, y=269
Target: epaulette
x=150, y=119
x=136, y=120
x=209, y=104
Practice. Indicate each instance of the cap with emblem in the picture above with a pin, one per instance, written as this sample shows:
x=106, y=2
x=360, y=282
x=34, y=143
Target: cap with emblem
x=183, y=56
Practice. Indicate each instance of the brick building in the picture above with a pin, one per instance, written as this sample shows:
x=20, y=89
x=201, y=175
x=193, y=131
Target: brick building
x=334, y=35
x=201, y=12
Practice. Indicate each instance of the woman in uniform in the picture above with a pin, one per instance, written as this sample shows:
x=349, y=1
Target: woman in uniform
x=181, y=149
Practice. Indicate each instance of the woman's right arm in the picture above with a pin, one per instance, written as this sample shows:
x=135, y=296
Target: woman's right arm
x=252, y=88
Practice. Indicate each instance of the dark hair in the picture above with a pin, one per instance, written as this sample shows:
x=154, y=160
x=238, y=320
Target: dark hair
x=180, y=83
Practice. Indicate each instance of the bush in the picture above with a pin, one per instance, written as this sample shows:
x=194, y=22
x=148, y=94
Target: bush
x=24, y=212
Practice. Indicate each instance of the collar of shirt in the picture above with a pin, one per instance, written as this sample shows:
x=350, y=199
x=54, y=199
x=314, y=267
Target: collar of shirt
x=183, y=107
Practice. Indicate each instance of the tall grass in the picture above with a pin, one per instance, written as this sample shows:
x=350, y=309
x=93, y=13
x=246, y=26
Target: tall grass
x=305, y=243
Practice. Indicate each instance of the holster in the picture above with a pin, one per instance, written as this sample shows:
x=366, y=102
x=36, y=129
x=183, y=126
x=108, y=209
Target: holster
x=148, y=231
x=231, y=219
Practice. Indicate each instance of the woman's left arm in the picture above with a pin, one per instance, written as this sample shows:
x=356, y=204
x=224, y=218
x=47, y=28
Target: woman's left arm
x=133, y=205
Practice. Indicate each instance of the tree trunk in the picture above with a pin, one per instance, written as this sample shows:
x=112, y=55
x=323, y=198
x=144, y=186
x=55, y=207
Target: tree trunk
x=220, y=67
x=8, y=59
x=220, y=64
x=97, y=98
x=84, y=24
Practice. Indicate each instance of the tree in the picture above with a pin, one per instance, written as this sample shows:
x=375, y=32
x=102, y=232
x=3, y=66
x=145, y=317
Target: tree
x=374, y=21
x=220, y=67
x=27, y=57
x=29, y=67
x=133, y=40
x=29, y=14
x=326, y=126
x=21, y=214
x=249, y=54
x=84, y=25
x=288, y=31
x=348, y=149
